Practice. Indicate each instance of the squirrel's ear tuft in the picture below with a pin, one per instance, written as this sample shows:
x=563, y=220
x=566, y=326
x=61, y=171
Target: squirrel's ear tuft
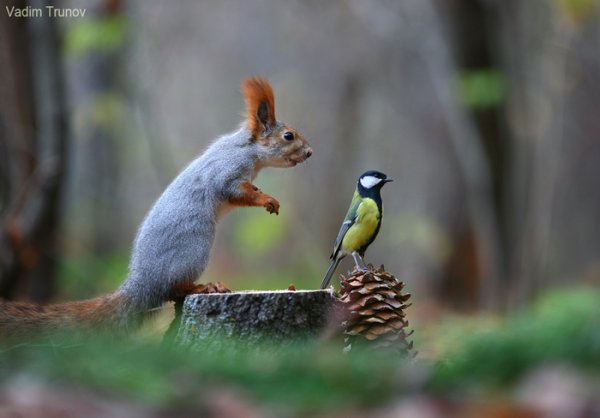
x=260, y=104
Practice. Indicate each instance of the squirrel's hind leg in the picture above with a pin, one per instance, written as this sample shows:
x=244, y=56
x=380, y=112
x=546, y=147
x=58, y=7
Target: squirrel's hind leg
x=180, y=291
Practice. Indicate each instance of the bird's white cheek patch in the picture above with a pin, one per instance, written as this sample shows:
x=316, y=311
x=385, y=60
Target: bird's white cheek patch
x=369, y=181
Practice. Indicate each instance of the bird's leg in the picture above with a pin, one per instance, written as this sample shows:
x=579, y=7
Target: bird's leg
x=359, y=266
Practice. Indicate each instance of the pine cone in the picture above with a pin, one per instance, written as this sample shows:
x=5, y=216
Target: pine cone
x=375, y=307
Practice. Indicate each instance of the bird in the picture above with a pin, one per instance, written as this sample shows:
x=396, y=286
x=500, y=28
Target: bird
x=361, y=224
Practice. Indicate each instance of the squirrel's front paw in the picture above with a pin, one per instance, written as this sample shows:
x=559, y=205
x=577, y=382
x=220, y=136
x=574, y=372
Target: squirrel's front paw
x=272, y=205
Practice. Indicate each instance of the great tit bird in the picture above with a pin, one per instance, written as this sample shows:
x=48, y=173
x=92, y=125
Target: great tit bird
x=361, y=224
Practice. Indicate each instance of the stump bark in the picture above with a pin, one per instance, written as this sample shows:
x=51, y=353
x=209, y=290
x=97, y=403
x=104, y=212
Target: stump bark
x=208, y=321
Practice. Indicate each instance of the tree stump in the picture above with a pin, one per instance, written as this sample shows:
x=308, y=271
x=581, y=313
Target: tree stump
x=208, y=321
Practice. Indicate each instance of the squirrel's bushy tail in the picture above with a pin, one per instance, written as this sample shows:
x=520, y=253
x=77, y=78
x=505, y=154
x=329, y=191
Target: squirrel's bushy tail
x=19, y=319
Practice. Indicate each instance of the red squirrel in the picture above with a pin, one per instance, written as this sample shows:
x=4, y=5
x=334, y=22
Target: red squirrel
x=173, y=243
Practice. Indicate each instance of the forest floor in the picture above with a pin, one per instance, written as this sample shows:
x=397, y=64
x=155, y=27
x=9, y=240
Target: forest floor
x=541, y=362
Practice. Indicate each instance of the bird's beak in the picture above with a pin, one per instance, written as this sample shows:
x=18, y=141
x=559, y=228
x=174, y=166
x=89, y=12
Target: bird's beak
x=387, y=180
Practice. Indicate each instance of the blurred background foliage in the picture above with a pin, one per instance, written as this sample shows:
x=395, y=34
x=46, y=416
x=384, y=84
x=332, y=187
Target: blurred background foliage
x=484, y=112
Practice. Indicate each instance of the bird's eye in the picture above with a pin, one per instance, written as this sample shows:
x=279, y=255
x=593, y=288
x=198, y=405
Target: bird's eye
x=288, y=136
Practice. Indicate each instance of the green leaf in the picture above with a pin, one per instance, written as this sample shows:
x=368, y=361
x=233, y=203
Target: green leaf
x=480, y=89
x=104, y=35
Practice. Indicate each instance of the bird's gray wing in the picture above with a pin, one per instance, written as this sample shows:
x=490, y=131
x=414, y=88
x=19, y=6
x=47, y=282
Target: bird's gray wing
x=349, y=220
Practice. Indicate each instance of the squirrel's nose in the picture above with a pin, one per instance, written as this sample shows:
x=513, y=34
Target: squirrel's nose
x=309, y=152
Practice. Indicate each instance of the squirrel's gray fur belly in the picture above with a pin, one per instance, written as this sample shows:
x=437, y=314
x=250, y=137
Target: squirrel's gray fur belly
x=173, y=243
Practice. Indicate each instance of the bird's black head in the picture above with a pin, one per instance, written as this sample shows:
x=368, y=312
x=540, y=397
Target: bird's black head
x=372, y=180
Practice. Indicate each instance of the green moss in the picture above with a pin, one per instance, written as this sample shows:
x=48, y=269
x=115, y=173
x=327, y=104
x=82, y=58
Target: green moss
x=562, y=327
x=299, y=377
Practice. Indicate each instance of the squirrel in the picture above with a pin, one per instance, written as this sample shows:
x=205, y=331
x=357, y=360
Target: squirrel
x=173, y=243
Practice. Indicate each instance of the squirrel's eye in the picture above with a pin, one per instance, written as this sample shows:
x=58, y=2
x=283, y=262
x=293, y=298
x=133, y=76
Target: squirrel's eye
x=288, y=136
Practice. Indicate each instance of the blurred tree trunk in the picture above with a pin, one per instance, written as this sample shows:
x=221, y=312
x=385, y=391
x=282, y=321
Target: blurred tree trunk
x=472, y=28
x=33, y=140
x=543, y=155
x=96, y=84
x=479, y=233
x=550, y=52
x=463, y=201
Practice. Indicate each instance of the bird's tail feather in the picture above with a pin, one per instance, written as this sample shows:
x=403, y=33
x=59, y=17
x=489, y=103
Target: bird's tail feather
x=330, y=270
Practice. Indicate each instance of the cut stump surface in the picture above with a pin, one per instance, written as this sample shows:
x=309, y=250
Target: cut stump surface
x=253, y=317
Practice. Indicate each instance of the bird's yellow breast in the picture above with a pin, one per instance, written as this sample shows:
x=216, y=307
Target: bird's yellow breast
x=362, y=231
